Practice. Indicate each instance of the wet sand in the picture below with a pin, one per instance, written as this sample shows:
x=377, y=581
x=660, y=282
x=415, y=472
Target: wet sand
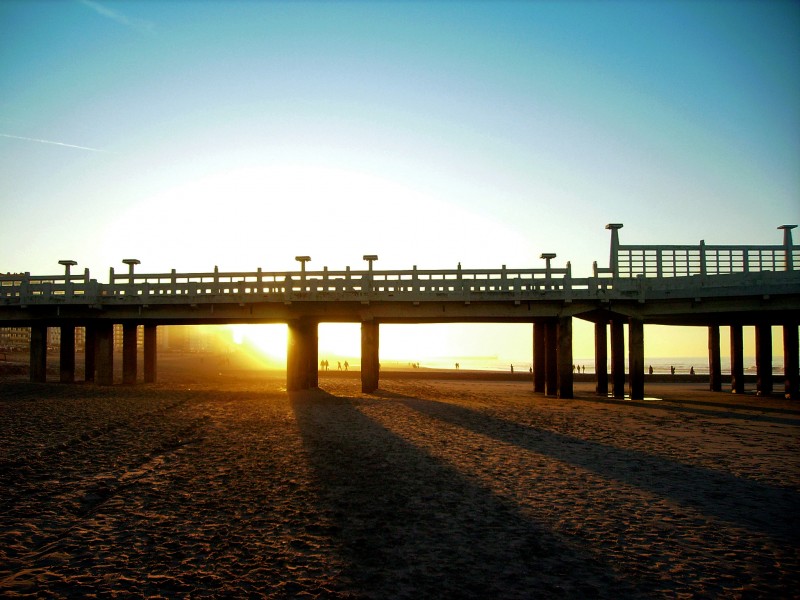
x=218, y=483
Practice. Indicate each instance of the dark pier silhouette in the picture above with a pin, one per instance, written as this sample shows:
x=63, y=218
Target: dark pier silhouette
x=696, y=285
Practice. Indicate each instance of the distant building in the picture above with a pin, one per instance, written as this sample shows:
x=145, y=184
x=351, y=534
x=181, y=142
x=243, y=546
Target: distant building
x=174, y=338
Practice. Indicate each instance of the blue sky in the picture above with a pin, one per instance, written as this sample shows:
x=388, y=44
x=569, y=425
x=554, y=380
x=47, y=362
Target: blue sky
x=240, y=134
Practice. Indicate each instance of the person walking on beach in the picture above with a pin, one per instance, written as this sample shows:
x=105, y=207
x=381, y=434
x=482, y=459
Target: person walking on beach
x=650, y=370
x=512, y=369
x=346, y=365
x=340, y=365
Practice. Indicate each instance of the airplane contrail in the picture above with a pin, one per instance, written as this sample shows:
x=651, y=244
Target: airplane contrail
x=27, y=139
x=139, y=25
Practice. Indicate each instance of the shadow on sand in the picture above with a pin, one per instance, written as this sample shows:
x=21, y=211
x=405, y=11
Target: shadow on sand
x=758, y=506
x=412, y=526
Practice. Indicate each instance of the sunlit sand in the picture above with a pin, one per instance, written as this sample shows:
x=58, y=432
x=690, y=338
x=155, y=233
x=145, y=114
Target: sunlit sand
x=216, y=482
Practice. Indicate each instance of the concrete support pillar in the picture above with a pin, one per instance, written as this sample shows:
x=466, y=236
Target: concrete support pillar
x=150, y=352
x=370, y=361
x=38, y=353
x=763, y=359
x=66, y=363
x=551, y=357
x=89, y=352
x=618, y=358
x=601, y=358
x=105, y=353
x=791, y=362
x=301, y=355
x=538, y=357
x=737, y=360
x=129, y=353
x=565, y=364
x=636, y=358
x=714, y=360
x=312, y=355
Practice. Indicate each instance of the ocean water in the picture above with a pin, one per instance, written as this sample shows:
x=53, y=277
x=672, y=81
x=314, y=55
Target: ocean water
x=682, y=364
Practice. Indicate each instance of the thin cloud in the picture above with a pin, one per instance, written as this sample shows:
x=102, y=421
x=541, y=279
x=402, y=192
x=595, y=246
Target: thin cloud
x=27, y=139
x=139, y=25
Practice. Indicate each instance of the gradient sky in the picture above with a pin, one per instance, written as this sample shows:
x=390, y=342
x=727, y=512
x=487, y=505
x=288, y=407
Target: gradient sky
x=241, y=134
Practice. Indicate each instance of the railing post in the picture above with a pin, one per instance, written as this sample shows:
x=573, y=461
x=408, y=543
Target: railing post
x=370, y=258
x=703, y=258
x=67, y=283
x=547, y=256
x=612, y=262
x=787, y=244
x=302, y=260
x=568, y=283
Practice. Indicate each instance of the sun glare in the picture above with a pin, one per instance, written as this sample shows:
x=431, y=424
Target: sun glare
x=267, y=340
x=258, y=216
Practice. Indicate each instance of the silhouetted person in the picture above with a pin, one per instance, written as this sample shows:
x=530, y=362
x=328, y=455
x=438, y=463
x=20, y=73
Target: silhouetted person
x=672, y=370
x=691, y=370
x=346, y=365
x=340, y=365
x=512, y=369
x=650, y=370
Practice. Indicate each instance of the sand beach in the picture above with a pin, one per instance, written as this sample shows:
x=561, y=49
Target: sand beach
x=218, y=483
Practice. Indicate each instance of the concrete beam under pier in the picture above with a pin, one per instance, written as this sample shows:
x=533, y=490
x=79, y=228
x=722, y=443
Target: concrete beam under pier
x=150, y=352
x=105, y=353
x=601, y=358
x=89, y=353
x=565, y=364
x=763, y=359
x=791, y=358
x=551, y=357
x=129, y=353
x=370, y=361
x=737, y=359
x=636, y=359
x=538, y=357
x=618, y=358
x=301, y=355
x=714, y=359
x=38, y=353
x=66, y=364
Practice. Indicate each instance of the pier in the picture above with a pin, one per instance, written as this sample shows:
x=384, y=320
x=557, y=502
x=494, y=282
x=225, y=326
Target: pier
x=699, y=285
